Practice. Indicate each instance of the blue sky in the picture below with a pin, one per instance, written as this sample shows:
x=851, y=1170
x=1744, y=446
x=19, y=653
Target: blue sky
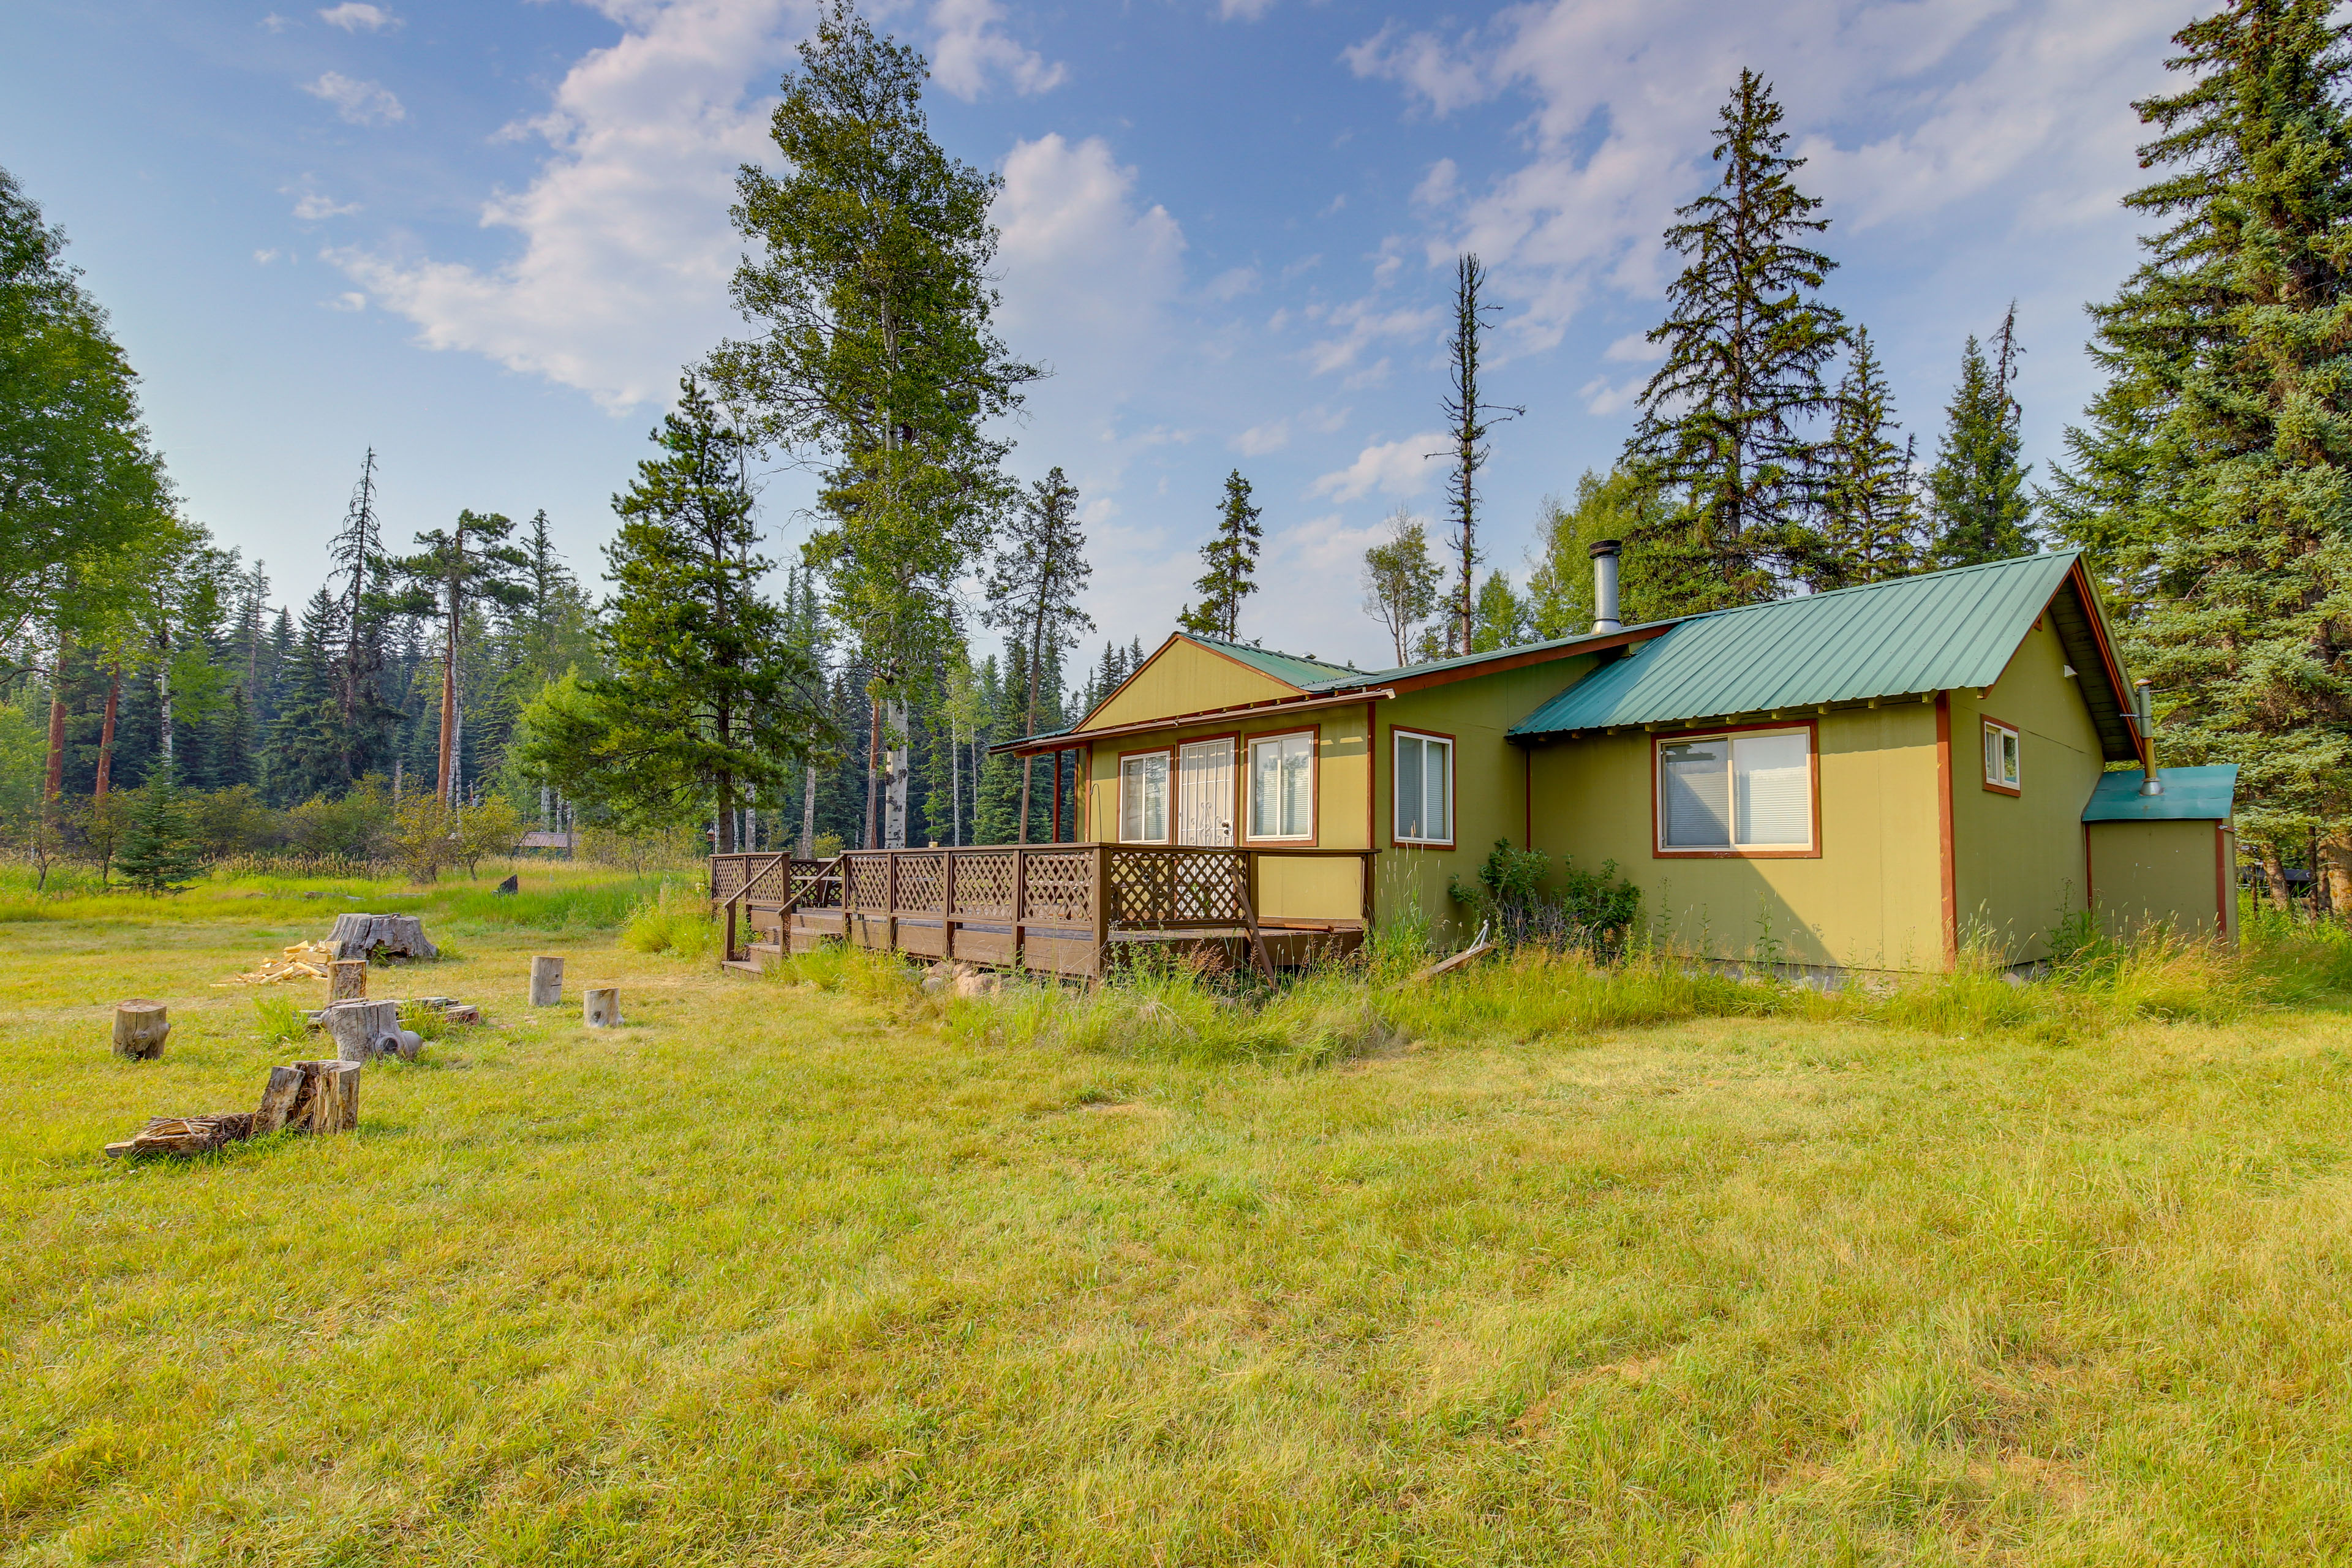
x=484, y=236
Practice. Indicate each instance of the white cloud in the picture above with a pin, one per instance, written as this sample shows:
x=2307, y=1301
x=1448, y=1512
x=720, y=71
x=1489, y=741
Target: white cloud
x=625, y=247
x=1247, y=10
x=357, y=16
x=1440, y=185
x=274, y=23
x=969, y=49
x=264, y=258
x=348, y=302
x=1602, y=399
x=1361, y=323
x=1966, y=100
x=1394, y=468
x=1260, y=439
x=1232, y=283
x=1087, y=272
x=1634, y=348
x=358, y=102
x=310, y=207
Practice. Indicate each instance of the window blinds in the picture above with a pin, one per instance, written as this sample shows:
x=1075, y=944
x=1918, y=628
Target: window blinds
x=1740, y=792
x=1282, y=775
x=1424, y=789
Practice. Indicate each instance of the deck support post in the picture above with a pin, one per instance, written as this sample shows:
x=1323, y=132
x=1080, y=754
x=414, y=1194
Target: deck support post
x=1100, y=905
x=1020, y=903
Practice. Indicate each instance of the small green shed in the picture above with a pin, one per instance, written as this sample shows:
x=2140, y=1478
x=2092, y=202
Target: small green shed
x=2163, y=859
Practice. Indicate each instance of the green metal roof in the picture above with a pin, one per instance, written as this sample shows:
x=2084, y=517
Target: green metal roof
x=1284, y=666
x=2190, y=795
x=1469, y=662
x=1903, y=636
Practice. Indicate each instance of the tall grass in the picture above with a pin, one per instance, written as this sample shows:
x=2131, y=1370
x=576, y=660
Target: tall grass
x=1184, y=1014
x=675, y=918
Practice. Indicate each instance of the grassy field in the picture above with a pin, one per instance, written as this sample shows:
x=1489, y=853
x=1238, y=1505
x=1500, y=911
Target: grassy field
x=826, y=1272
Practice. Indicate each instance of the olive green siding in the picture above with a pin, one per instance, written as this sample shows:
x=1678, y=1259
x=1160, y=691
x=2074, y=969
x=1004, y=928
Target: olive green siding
x=1302, y=889
x=1184, y=677
x=2017, y=860
x=1872, y=897
x=2168, y=874
x=1490, y=774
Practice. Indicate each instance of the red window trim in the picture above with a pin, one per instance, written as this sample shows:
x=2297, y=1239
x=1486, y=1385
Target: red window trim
x=1453, y=788
x=1313, y=837
x=1812, y=727
x=1118, y=825
x=1987, y=721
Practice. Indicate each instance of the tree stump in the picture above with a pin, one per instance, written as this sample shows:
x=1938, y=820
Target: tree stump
x=546, y=981
x=347, y=980
x=329, y=1099
x=277, y=1098
x=362, y=1030
x=140, y=1027
x=604, y=1008
x=393, y=936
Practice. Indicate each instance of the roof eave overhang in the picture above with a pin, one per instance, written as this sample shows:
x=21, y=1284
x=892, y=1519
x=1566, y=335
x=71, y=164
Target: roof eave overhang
x=1079, y=740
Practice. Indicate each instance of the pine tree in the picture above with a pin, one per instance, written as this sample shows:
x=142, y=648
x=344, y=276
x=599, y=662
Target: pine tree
x=1033, y=588
x=1978, y=485
x=305, y=750
x=2212, y=481
x=1725, y=420
x=1870, y=512
x=366, y=720
x=707, y=700
x=1230, y=557
x=162, y=853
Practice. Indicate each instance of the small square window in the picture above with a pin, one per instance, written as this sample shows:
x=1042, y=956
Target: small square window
x=2000, y=757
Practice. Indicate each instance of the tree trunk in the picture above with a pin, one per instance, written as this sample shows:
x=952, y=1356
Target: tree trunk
x=447, y=777
x=725, y=829
x=873, y=770
x=53, y=780
x=955, y=787
x=2335, y=857
x=896, y=758
x=106, y=734
x=2273, y=875
x=163, y=693
x=808, y=814
x=546, y=980
x=602, y=1008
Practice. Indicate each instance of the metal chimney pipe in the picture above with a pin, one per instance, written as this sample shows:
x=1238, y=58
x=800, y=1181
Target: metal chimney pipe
x=1604, y=586
x=2145, y=719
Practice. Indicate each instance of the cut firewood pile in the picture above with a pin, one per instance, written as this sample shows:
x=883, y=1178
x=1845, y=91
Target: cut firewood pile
x=303, y=960
x=300, y=1097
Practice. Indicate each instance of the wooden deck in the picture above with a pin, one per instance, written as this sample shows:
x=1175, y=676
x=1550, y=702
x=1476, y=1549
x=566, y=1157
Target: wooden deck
x=1052, y=909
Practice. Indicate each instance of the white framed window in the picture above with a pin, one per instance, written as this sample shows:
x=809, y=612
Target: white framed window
x=1143, y=798
x=1729, y=794
x=1282, y=787
x=2000, y=757
x=1424, y=789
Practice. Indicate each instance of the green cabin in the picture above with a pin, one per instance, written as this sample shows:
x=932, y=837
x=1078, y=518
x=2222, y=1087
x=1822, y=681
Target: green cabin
x=1857, y=780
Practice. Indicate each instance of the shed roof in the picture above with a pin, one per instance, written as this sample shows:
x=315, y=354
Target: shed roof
x=1903, y=636
x=2190, y=795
